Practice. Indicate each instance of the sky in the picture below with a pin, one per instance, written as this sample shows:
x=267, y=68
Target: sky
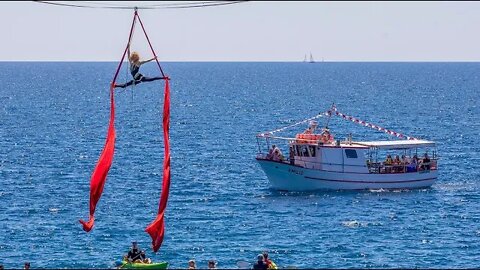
x=250, y=31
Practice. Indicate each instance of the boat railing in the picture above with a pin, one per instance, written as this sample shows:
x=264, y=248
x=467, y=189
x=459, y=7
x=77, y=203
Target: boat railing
x=381, y=168
x=373, y=167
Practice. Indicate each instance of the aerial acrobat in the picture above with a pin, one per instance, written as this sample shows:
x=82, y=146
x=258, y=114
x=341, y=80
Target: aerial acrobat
x=135, y=63
x=156, y=229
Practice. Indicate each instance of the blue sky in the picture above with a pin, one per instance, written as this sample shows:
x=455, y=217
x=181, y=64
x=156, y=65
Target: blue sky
x=252, y=31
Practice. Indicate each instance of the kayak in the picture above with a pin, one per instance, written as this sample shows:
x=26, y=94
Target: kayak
x=127, y=265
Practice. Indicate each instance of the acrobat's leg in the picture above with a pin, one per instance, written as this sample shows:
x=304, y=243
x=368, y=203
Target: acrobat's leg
x=147, y=79
x=123, y=85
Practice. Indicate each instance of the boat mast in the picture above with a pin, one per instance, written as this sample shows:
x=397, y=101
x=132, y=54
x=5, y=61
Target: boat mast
x=330, y=114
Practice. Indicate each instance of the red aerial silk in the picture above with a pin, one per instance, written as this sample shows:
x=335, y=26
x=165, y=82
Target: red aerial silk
x=99, y=175
x=97, y=182
x=156, y=229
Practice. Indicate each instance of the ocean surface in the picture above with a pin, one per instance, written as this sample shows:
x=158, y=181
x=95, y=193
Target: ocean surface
x=53, y=123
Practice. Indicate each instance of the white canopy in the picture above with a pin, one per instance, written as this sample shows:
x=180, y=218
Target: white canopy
x=400, y=144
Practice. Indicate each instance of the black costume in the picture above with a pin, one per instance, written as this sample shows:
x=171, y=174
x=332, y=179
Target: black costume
x=137, y=77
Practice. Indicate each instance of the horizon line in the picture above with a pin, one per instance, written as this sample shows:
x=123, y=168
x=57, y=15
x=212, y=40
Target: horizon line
x=253, y=61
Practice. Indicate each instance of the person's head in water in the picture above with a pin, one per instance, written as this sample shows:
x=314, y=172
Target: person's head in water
x=211, y=264
x=27, y=265
x=134, y=57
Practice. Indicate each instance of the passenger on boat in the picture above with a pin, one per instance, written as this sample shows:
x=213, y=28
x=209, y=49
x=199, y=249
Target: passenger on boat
x=260, y=264
x=309, y=130
x=397, y=161
x=191, y=264
x=326, y=137
x=405, y=160
x=277, y=155
x=412, y=164
x=397, y=164
x=135, y=254
x=270, y=152
x=388, y=164
x=415, y=160
x=388, y=160
x=426, y=162
x=291, y=155
x=135, y=64
x=270, y=264
x=212, y=264
x=312, y=126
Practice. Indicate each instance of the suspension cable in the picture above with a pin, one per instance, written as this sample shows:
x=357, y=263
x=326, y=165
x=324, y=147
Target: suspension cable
x=156, y=6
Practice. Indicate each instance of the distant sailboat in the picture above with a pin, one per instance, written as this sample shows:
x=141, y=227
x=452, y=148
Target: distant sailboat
x=305, y=59
x=311, y=58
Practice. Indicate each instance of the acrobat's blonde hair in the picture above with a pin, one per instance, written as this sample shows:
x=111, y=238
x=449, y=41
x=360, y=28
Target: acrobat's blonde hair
x=134, y=57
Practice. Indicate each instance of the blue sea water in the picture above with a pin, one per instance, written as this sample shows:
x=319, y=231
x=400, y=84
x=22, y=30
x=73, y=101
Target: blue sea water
x=53, y=122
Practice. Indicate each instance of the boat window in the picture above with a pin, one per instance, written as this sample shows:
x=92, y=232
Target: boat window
x=298, y=150
x=312, y=150
x=350, y=153
x=304, y=151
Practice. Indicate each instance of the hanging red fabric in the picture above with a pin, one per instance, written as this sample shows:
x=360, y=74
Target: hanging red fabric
x=156, y=229
x=99, y=175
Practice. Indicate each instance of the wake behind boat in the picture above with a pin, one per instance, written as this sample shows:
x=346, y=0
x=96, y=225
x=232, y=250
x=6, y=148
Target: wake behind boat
x=317, y=161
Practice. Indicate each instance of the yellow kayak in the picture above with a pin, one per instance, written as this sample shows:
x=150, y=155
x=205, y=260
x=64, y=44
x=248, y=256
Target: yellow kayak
x=139, y=265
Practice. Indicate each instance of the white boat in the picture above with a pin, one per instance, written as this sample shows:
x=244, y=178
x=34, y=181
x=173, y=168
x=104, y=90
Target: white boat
x=317, y=161
x=311, y=58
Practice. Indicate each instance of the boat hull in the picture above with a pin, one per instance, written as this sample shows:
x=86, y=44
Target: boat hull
x=288, y=177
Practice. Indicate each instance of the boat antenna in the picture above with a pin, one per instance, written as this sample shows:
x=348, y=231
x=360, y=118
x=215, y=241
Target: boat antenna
x=329, y=115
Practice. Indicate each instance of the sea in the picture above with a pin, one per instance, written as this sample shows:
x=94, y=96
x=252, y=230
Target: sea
x=53, y=124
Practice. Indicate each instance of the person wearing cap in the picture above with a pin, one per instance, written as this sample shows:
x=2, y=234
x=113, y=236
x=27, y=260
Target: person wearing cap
x=135, y=254
x=270, y=264
x=260, y=264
